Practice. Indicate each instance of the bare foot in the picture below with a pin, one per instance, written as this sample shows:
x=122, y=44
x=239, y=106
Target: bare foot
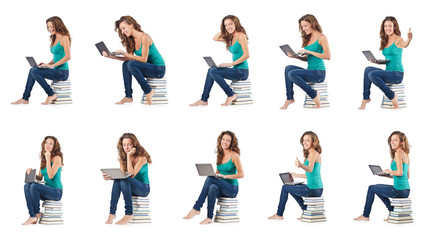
x=394, y=101
x=386, y=219
x=361, y=218
x=20, y=101
x=199, y=103
x=110, y=219
x=206, y=221
x=125, y=220
x=191, y=214
x=364, y=103
x=229, y=100
x=316, y=100
x=287, y=103
x=275, y=217
x=149, y=97
x=31, y=220
x=50, y=100
x=124, y=100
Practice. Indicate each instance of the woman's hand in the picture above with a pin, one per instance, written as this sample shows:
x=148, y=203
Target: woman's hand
x=28, y=171
x=409, y=34
x=218, y=175
x=106, y=177
x=47, y=155
x=125, y=54
x=294, y=175
x=45, y=65
x=104, y=53
x=132, y=152
x=387, y=171
x=225, y=65
x=297, y=163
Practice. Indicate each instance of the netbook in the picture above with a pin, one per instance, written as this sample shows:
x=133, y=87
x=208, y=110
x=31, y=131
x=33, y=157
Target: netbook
x=33, y=63
x=211, y=63
x=115, y=173
x=32, y=177
x=377, y=170
x=101, y=46
x=287, y=49
x=205, y=169
x=371, y=58
x=287, y=179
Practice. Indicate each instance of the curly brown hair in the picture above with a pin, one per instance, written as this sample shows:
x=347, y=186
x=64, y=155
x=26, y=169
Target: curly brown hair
x=59, y=27
x=315, y=140
x=384, y=38
x=127, y=42
x=227, y=37
x=55, y=152
x=404, y=143
x=140, y=151
x=314, y=25
x=233, y=147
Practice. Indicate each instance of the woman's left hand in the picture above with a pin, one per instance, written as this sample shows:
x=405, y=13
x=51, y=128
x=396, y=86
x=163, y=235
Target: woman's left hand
x=297, y=162
x=218, y=175
x=303, y=51
x=125, y=54
x=47, y=155
x=225, y=65
x=387, y=171
x=132, y=151
x=46, y=65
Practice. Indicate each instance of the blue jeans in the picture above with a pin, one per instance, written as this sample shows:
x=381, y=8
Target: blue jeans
x=214, y=188
x=40, y=75
x=129, y=187
x=301, y=77
x=140, y=71
x=384, y=192
x=297, y=192
x=380, y=77
x=35, y=192
x=218, y=75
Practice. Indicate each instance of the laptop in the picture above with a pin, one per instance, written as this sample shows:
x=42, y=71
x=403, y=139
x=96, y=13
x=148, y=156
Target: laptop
x=287, y=179
x=205, y=169
x=101, y=46
x=115, y=173
x=32, y=177
x=211, y=63
x=377, y=170
x=370, y=57
x=287, y=49
x=33, y=63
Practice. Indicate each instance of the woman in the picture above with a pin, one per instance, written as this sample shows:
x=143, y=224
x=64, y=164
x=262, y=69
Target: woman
x=51, y=167
x=141, y=59
x=133, y=159
x=400, y=172
x=316, y=48
x=235, y=37
x=225, y=184
x=391, y=45
x=57, y=69
x=312, y=165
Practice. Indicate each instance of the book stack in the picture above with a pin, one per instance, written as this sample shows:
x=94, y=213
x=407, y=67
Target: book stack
x=160, y=92
x=399, y=90
x=63, y=91
x=243, y=90
x=315, y=210
x=322, y=88
x=141, y=209
x=228, y=210
x=402, y=211
x=52, y=214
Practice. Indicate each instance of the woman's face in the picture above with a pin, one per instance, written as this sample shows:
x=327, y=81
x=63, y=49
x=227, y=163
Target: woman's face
x=126, y=28
x=127, y=145
x=50, y=28
x=307, y=142
x=306, y=27
x=388, y=26
x=395, y=142
x=49, y=145
x=229, y=26
x=226, y=142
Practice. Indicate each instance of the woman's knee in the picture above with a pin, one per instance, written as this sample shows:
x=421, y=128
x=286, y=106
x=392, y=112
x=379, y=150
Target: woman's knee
x=213, y=188
x=34, y=71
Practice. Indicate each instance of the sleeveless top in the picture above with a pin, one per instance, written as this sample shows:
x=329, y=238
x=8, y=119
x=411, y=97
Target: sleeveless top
x=315, y=63
x=56, y=181
x=142, y=175
x=394, y=55
x=401, y=182
x=228, y=168
x=236, y=50
x=58, y=53
x=314, y=180
x=154, y=56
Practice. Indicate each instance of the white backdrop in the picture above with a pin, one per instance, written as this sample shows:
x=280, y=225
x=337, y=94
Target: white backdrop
x=177, y=136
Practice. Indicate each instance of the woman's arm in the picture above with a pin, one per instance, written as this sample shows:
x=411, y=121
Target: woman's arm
x=296, y=175
x=66, y=46
x=237, y=162
x=139, y=162
x=398, y=162
x=325, y=45
x=404, y=44
x=52, y=169
x=312, y=157
x=218, y=37
x=146, y=42
x=242, y=39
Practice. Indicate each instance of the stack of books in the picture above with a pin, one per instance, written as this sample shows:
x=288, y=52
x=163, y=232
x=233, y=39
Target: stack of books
x=402, y=211
x=52, y=214
x=141, y=209
x=63, y=91
x=243, y=90
x=315, y=210
x=399, y=90
x=228, y=210
x=160, y=92
x=322, y=88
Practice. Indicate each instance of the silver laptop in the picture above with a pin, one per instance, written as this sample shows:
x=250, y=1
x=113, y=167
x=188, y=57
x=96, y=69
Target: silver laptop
x=101, y=46
x=287, y=179
x=377, y=170
x=370, y=57
x=32, y=177
x=211, y=62
x=33, y=63
x=205, y=169
x=287, y=49
x=115, y=173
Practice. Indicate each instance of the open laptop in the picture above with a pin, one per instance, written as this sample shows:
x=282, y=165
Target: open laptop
x=211, y=63
x=287, y=179
x=287, y=49
x=115, y=173
x=32, y=177
x=370, y=57
x=205, y=169
x=101, y=46
x=377, y=170
x=33, y=63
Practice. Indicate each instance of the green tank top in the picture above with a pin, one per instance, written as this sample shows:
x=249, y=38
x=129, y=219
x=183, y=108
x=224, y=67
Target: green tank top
x=315, y=63
x=142, y=175
x=394, y=55
x=59, y=53
x=56, y=181
x=154, y=56
x=228, y=168
x=401, y=182
x=314, y=180
x=237, y=52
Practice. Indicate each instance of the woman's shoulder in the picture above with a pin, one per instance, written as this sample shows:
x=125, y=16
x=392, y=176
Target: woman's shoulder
x=322, y=38
x=57, y=160
x=234, y=156
x=146, y=38
x=398, y=40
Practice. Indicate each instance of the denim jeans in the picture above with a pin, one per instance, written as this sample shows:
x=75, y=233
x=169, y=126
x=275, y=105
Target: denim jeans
x=301, y=77
x=129, y=187
x=35, y=192
x=218, y=75
x=140, y=71
x=384, y=192
x=297, y=192
x=40, y=75
x=214, y=188
x=380, y=77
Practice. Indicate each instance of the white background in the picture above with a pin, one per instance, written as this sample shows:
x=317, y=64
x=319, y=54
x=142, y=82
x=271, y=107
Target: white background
x=177, y=136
